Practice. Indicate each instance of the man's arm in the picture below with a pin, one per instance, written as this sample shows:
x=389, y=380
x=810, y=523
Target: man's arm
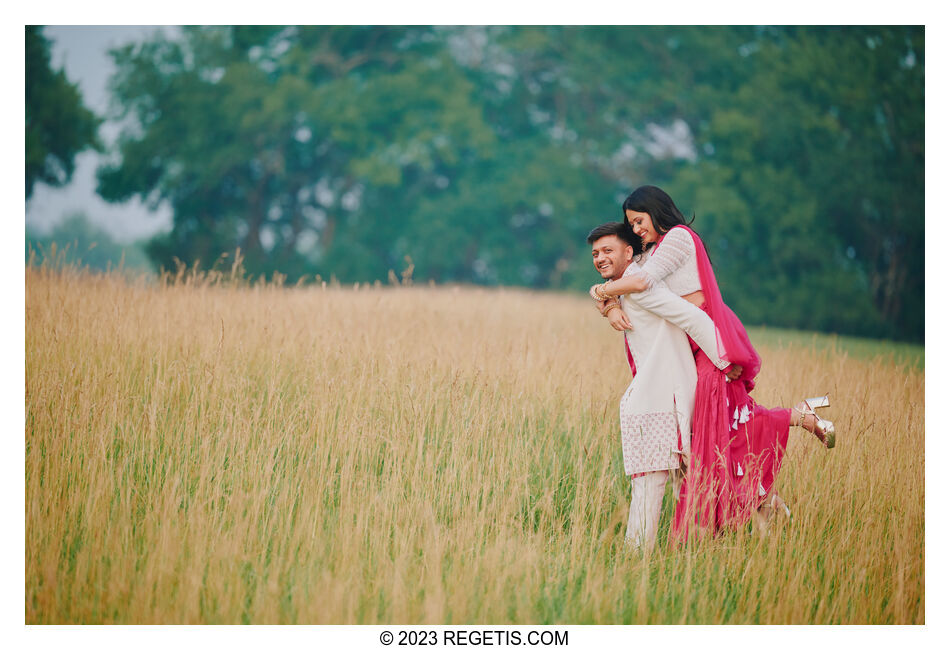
x=688, y=317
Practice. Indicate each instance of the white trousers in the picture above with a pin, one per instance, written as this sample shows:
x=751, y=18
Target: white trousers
x=646, y=501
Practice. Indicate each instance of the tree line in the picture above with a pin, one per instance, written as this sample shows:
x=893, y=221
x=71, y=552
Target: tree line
x=485, y=155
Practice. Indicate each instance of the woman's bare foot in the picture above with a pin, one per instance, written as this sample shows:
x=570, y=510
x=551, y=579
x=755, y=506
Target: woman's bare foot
x=765, y=514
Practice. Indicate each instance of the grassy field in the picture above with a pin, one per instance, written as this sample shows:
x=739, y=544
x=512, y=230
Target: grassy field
x=225, y=454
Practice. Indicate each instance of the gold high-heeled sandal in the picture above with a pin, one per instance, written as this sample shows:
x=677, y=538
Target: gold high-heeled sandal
x=824, y=429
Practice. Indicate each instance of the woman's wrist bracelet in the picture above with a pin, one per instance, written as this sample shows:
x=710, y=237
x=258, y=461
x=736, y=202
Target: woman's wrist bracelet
x=609, y=307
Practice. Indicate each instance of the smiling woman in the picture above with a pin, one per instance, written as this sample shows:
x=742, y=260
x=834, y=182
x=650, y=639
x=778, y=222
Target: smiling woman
x=642, y=225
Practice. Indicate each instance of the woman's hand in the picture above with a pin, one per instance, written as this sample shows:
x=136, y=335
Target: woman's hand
x=615, y=315
x=733, y=371
x=618, y=320
x=634, y=283
x=594, y=292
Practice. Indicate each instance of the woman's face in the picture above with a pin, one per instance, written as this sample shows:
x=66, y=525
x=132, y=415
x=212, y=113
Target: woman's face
x=642, y=225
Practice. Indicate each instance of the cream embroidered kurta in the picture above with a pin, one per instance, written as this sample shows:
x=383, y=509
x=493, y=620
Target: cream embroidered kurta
x=658, y=405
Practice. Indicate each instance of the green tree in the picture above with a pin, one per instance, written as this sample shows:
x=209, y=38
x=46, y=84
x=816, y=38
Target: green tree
x=290, y=143
x=813, y=140
x=518, y=213
x=58, y=125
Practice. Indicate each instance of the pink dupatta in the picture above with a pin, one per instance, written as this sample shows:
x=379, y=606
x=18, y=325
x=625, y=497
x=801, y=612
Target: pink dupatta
x=633, y=366
x=713, y=494
x=734, y=344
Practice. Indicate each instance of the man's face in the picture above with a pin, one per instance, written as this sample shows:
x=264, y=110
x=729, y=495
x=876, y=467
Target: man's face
x=612, y=256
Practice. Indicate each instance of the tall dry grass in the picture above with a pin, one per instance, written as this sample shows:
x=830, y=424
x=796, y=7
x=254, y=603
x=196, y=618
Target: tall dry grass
x=226, y=454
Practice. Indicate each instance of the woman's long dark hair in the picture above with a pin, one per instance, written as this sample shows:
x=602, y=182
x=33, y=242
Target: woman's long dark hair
x=660, y=207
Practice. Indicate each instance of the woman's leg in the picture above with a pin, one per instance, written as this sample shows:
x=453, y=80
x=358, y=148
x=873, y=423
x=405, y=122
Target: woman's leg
x=804, y=417
x=773, y=505
x=758, y=438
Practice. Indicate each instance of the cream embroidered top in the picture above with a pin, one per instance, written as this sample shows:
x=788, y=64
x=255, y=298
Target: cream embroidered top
x=674, y=262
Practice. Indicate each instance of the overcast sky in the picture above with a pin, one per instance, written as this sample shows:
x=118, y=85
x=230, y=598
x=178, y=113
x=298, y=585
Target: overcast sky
x=82, y=51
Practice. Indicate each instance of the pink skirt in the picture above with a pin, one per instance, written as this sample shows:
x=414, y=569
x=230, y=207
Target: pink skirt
x=737, y=450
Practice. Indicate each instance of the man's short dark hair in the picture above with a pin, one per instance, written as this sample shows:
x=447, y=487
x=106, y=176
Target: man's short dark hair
x=619, y=229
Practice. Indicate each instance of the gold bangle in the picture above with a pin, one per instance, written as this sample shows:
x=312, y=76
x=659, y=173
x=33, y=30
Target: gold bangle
x=601, y=291
x=609, y=307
